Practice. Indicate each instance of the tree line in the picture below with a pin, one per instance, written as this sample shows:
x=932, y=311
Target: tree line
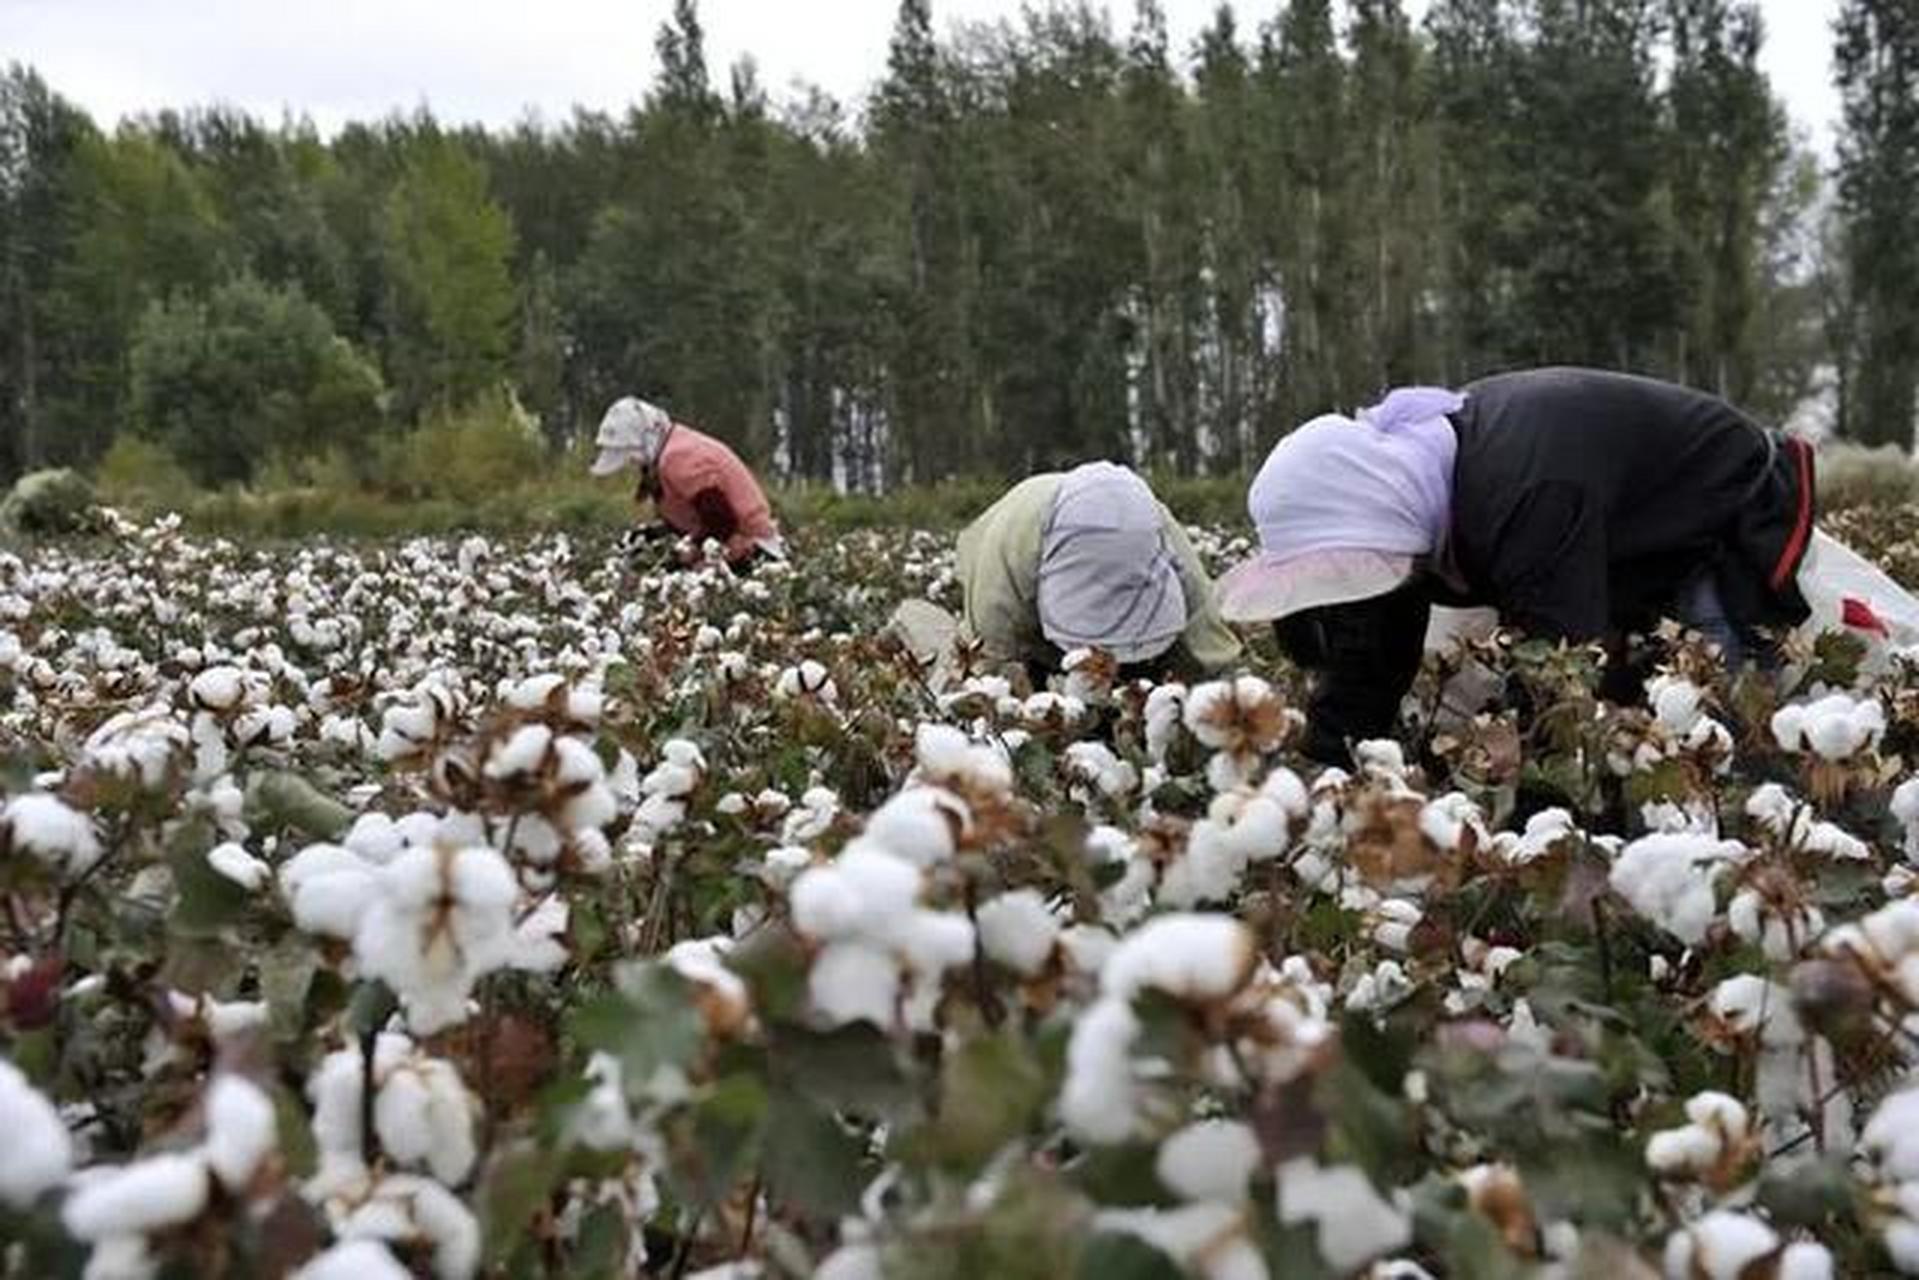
x=1037, y=241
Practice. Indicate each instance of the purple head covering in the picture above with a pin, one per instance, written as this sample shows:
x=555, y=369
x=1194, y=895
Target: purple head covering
x=1343, y=505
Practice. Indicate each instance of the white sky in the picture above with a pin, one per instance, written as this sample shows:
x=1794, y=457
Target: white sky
x=490, y=60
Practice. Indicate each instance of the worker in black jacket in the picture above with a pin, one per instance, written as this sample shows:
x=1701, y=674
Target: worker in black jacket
x=1582, y=505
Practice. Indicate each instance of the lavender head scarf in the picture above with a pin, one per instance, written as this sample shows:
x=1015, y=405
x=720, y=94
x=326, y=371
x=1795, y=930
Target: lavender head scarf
x=1381, y=483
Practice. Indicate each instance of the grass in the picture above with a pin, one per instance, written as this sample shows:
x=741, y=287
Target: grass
x=512, y=496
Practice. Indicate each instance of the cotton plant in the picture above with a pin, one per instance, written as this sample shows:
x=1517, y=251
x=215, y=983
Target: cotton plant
x=1242, y=828
x=119, y=1210
x=1718, y=1145
x=1242, y=721
x=1728, y=1245
x=1209, y=1166
x=1837, y=739
x=1672, y=880
x=881, y=954
x=440, y=919
x=1795, y=1068
x=424, y=1118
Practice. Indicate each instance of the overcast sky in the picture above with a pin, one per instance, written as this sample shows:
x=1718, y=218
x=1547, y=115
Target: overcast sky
x=491, y=60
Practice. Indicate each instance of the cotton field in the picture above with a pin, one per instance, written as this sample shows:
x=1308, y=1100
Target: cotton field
x=483, y=908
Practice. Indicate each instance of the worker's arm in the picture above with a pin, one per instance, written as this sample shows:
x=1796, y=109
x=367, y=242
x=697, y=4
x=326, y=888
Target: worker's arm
x=717, y=518
x=1363, y=657
x=1548, y=572
x=1210, y=642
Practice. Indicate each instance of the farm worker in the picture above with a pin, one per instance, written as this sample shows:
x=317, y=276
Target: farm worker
x=1089, y=559
x=1581, y=505
x=698, y=486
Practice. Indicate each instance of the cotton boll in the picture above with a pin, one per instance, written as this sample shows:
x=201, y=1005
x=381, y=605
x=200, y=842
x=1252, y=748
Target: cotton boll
x=379, y=839
x=424, y=1116
x=1100, y=1099
x=1189, y=957
x=521, y=753
x=852, y=1262
x=920, y=824
x=1211, y=1160
x=931, y=942
x=148, y=1195
x=354, y=1260
x=887, y=886
x=1805, y=1261
x=406, y=1208
x=218, y=688
x=1835, y=727
x=851, y=982
x=1891, y=1137
x=539, y=941
x=239, y=866
x=1354, y=1224
x=1720, y=1246
x=1669, y=879
x=1677, y=704
x=241, y=1130
x=441, y=919
x=329, y=890
x=38, y=1151
x=1210, y=871
x=1905, y=808
x=50, y=830
x=1095, y=764
x=826, y=903
x=1208, y=1241
x=1749, y=1005
x=1017, y=930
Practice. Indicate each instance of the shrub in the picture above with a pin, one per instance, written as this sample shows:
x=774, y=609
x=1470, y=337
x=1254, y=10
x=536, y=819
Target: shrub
x=490, y=446
x=251, y=370
x=145, y=476
x=1852, y=476
x=56, y=501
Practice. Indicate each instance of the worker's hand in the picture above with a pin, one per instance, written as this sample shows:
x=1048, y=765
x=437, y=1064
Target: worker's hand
x=640, y=538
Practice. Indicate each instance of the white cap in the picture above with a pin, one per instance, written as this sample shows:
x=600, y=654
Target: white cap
x=631, y=434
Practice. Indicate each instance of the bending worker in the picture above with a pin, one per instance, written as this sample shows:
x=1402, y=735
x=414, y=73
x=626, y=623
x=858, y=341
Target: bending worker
x=1089, y=559
x=1581, y=505
x=698, y=487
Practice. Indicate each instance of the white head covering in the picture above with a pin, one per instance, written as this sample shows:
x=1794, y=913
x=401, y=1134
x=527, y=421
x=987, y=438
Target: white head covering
x=631, y=435
x=1107, y=579
x=1344, y=507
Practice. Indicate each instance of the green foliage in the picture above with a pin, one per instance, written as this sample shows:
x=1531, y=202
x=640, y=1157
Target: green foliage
x=488, y=448
x=252, y=369
x=49, y=502
x=447, y=246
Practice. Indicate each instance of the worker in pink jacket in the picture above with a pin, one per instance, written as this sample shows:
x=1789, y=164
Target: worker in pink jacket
x=698, y=486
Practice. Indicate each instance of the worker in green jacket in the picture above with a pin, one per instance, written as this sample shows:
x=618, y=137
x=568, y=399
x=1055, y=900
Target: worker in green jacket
x=1090, y=559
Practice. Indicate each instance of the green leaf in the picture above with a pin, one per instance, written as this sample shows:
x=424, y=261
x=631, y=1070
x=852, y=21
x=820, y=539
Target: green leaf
x=1123, y=1176
x=726, y=1126
x=1372, y=1128
x=810, y=1161
x=601, y=1251
x=651, y=1022
x=854, y=1069
x=297, y=1144
x=373, y=1003
x=286, y=801
x=773, y=965
x=1111, y=1256
x=990, y=1091
x=1809, y=1193
x=286, y=977
x=518, y=1185
x=206, y=901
